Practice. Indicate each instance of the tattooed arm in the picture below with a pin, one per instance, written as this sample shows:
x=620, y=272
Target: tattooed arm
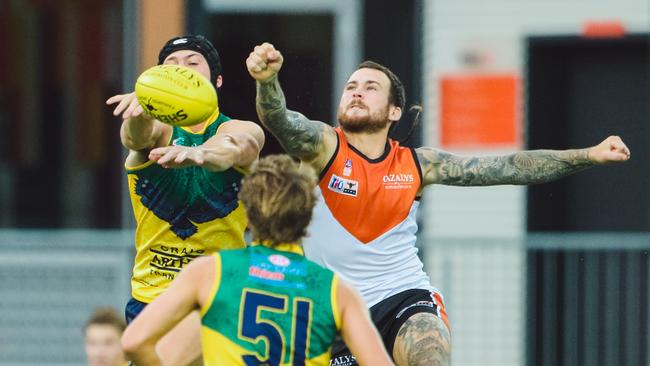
x=310, y=141
x=524, y=167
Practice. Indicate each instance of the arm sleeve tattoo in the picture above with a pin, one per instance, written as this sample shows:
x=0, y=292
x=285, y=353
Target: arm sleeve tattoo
x=298, y=135
x=524, y=167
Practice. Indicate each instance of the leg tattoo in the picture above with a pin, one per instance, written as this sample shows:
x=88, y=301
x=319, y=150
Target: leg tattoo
x=423, y=340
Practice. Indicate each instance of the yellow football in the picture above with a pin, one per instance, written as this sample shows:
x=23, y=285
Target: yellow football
x=176, y=95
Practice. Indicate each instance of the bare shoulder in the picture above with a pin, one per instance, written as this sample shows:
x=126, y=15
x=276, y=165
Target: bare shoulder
x=203, y=262
x=243, y=126
x=201, y=271
x=197, y=268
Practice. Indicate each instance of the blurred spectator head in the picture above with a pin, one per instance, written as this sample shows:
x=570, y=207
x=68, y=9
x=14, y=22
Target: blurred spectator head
x=102, y=332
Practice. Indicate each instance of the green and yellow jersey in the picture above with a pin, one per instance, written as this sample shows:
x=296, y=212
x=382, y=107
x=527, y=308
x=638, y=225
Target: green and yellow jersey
x=269, y=307
x=181, y=214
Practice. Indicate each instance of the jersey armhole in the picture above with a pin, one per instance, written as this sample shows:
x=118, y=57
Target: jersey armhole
x=331, y=161
x=417, y=164
x=335, y=301
x=133, y=169
x=215, y=285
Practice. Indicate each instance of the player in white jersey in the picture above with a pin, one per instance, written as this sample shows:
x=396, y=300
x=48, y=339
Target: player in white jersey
x=365, y=229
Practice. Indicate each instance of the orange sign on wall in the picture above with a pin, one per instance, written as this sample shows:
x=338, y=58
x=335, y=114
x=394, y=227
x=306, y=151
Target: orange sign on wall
x=479, y=111
x=159, y=22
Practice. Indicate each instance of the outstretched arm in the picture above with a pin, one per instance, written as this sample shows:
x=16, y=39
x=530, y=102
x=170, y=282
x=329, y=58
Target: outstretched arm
x=524, y=167
x=236, y=144
x=139, y=131
x=310, y=141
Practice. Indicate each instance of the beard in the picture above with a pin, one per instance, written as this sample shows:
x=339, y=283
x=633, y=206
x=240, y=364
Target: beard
x=365, y=123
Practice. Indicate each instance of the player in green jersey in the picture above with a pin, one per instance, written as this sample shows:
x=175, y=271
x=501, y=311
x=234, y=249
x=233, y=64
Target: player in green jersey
x=266, y=304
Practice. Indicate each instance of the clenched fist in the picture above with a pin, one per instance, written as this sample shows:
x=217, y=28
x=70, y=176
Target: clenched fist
x=264, y=62
x=611, y=150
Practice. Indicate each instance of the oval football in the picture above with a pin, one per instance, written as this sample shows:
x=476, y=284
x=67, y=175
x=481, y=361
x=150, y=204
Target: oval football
x=176, y=95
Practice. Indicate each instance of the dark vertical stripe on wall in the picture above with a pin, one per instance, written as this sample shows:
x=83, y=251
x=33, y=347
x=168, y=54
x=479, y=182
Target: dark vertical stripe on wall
x=571, y=335
x=37, y=176
x=587, y=307
x=532, y=301
x=195, y=17
x=644, y=317
x=393, y=37
x=548, y=322
x=590, y=310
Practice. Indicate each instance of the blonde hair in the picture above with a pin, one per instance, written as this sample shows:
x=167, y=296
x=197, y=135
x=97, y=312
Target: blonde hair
x=279, y=198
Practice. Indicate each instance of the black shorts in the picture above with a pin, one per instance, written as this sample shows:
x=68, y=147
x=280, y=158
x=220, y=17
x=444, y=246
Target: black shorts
x=132, y=309
x=389, y=315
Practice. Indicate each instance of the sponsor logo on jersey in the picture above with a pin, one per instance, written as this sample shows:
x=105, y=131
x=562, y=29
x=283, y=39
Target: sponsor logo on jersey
x=277, y=270
x=347, y=170
x=180, y=141
x=279, y=260
x=346, y=360
x=166, y=261
x=343, y=186
x=398, y=181
x=258, y=272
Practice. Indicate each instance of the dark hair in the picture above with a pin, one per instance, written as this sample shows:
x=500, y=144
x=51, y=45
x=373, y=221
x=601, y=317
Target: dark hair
x=196, y=43
x=106, y=316
x=397, y=96
x=279, y=199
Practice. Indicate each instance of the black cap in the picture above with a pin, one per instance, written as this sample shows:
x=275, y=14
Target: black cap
x=196, y=43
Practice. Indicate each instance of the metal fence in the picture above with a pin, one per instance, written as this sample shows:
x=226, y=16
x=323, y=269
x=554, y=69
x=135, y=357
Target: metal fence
x=587, y=300
x=564, y=299
x=50, y=282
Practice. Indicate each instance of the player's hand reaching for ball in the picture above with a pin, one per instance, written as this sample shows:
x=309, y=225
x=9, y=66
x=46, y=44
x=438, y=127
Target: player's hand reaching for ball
x=264, y=62
x=611, y=150
x=177, y=156
x=127, y=105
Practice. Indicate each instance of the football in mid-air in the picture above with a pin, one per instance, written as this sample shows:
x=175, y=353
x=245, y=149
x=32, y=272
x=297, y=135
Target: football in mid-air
x=176, y=95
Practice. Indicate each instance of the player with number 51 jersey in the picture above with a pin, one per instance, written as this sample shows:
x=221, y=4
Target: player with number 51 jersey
x=266, y=304
x=287, y=313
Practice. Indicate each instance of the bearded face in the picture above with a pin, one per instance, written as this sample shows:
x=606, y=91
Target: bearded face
x=364, y=106
x=357, y=117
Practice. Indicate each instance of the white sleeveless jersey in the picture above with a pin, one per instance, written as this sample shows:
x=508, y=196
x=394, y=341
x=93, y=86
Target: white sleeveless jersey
x=364, y=223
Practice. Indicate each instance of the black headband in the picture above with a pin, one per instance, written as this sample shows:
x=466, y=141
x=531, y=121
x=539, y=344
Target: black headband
x=197, y=43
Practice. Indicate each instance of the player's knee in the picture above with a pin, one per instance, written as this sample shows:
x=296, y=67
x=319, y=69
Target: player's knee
x=423, y=339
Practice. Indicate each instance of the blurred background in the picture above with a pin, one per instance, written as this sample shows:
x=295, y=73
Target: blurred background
x=555, y=274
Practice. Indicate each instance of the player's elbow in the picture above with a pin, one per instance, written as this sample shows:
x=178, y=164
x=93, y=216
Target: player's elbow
x=138, y=139
x=132, y=144
x=136, y=144
x=132, y=341
x=245, y=149
x=249, y=149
